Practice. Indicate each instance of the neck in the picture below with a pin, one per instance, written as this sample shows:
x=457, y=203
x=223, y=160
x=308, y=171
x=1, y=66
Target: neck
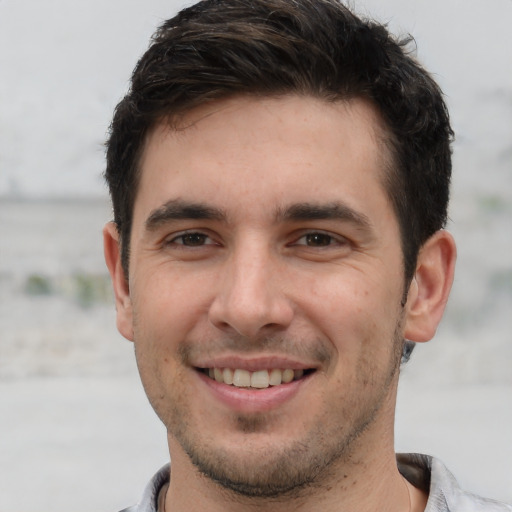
x=366, y=485
x=365, y=479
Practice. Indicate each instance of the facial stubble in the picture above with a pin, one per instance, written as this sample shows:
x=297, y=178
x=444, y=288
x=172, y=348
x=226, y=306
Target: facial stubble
x=290, y=471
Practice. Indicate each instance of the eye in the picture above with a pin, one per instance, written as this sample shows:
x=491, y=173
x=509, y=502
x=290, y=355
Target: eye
x=191, y=239
x=319, y=239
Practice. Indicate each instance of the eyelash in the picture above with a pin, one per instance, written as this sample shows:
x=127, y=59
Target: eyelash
x=189, y=234
x=329, y=239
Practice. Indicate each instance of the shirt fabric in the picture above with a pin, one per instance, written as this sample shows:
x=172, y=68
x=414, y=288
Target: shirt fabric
x=422, y=471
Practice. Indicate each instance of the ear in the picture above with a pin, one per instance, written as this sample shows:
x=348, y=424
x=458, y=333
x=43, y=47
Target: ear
x=112, y=251
x=430, y=286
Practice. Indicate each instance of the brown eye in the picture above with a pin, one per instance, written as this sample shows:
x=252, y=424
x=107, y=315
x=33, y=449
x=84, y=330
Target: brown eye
x=191, y=239
x=318, y=240
x=194, y=239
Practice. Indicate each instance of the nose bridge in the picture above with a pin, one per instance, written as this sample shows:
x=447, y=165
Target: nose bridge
x=251, y=274
x=250, y=296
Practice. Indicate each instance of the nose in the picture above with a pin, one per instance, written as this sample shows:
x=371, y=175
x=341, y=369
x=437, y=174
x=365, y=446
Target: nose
x=251, y=299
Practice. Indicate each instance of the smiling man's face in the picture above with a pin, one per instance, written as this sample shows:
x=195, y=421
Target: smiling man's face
x=265, y=288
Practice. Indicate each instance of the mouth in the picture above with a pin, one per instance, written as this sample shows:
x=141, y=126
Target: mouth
x=260, y=379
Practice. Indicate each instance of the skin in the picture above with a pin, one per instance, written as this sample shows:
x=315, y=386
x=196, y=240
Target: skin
x=263, y=237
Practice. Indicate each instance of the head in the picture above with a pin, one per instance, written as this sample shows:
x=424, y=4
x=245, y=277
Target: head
x=270, y=48
x=279, y=172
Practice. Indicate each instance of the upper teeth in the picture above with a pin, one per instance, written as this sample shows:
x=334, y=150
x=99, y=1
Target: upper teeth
x=259, y=379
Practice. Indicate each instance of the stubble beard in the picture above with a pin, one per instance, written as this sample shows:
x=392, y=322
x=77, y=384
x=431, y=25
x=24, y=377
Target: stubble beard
x=288, y=471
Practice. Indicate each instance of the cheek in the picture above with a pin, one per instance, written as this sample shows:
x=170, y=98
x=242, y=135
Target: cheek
x=356, y=313
x=167, y=305
x=341, y=300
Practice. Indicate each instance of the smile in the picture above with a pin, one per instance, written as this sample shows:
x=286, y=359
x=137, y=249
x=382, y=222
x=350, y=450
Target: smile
x=260, y=379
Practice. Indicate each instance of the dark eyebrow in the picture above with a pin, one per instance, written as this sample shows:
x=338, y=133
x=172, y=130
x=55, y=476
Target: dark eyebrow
x=178, y=209
x=314, y=211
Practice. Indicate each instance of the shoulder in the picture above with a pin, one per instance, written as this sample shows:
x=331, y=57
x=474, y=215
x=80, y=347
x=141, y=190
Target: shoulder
x=148, y=502
x=467, y=502
x=445, y=494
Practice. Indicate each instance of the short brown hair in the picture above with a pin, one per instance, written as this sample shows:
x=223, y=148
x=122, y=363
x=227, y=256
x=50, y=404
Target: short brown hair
x=221, y=48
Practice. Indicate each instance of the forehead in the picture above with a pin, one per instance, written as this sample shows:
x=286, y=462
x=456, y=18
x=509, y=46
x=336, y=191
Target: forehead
x=268, y=151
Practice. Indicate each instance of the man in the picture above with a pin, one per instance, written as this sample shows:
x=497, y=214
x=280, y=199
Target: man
x=279, y=172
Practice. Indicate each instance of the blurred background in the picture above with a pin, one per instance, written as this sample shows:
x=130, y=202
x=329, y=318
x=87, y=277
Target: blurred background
x=76, y=432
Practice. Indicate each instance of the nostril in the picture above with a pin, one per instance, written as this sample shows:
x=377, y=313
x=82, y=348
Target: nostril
x=250, y=310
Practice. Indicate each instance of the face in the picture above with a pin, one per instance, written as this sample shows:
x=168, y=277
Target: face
x=265, y=289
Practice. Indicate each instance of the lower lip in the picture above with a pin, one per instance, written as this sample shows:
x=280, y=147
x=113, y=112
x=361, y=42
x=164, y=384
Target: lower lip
x=249, y=400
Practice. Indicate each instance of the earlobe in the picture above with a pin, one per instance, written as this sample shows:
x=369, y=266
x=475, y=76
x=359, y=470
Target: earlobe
x=430, y=287
x=112, y=251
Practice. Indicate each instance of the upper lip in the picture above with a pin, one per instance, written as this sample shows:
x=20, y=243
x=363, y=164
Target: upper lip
x=253, y=364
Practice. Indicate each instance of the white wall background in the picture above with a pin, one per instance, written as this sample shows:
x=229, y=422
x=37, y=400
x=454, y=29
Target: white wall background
x=65, y=64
